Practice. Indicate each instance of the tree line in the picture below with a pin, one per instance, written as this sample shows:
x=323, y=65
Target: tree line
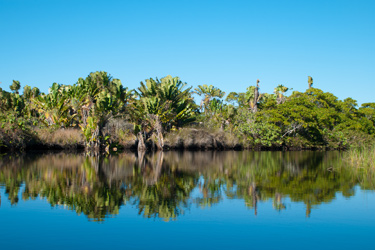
x=159, y=107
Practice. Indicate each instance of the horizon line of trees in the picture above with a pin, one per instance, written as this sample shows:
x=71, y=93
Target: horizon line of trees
x=303, y=119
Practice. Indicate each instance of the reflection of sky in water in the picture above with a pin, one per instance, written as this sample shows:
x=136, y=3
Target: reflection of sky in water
x=342, y=222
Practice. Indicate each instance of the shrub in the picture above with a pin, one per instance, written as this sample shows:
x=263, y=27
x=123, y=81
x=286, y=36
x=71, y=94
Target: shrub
x=199, y=138
x=119, y=133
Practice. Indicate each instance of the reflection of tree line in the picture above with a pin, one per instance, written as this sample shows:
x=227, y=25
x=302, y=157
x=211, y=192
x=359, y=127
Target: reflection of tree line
x=308, y=177
x=78, y=186
x=161, y=184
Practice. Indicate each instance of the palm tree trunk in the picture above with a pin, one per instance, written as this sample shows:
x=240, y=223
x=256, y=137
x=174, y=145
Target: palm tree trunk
x=159, y=133
x=256, y=97
x=141, y=142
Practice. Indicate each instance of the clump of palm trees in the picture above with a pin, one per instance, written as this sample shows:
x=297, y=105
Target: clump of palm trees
x=161, y=105
x=158, y=106
x=88, y=104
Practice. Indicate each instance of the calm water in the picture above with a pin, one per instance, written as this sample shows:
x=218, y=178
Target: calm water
x=211, y=200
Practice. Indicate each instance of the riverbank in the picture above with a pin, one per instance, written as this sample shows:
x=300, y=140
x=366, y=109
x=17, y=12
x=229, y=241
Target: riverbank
x=98, y=113
x=183, y=139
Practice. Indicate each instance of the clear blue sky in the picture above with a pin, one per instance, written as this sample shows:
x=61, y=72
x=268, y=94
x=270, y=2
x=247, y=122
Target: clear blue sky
x=228, y=44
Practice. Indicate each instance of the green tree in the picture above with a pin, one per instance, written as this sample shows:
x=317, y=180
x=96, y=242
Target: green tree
x=237, y=99
x=16, y=85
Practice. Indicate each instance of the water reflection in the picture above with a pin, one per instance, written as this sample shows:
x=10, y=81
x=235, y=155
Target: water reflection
x=164, y=185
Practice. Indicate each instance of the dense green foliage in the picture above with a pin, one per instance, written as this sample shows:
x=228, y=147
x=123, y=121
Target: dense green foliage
x=168, y=99
x=310, y=119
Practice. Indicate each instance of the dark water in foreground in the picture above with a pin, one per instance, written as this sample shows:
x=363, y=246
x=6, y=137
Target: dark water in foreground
x=211, y=200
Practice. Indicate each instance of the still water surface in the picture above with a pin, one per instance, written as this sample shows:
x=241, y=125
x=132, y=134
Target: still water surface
x=173, y=200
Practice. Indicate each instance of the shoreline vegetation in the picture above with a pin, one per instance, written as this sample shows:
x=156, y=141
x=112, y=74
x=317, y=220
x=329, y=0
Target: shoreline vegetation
x=362, y=159
x=98, y=113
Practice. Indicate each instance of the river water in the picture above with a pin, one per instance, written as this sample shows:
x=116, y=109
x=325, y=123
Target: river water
x=185, y=200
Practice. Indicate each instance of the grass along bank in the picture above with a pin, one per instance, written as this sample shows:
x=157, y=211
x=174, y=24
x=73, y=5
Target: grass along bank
x=361, y=157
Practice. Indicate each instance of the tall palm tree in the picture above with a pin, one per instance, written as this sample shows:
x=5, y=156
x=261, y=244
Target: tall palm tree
x=252, y=96
x=310, y=81
x=162, y=104
x=167, y=98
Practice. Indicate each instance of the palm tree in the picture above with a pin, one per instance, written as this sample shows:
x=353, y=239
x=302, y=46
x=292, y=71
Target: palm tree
x=175, y=102
x=162, y=104
x=5, y=100
x=310, y=81
x=252, y=96
x=98, y=98
x=16, y=85
x=53, y=107
x=208, y=92
x=279, y=91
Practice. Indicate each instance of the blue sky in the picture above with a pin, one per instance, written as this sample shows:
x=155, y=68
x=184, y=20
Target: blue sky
x=229, y=44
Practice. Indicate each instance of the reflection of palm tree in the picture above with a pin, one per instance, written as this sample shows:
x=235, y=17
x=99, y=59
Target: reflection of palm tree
x=12, y=188
x=277, y=202
x=254, y=197
x=141, y=159
x=211, y=189
x=151, y=168
x=164, y=199
x=157, y=190
x=308, y=209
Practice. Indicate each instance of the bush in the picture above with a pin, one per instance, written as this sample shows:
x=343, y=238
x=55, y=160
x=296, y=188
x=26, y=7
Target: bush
x=195, y=138
x=119, y=133
x=13, y=138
